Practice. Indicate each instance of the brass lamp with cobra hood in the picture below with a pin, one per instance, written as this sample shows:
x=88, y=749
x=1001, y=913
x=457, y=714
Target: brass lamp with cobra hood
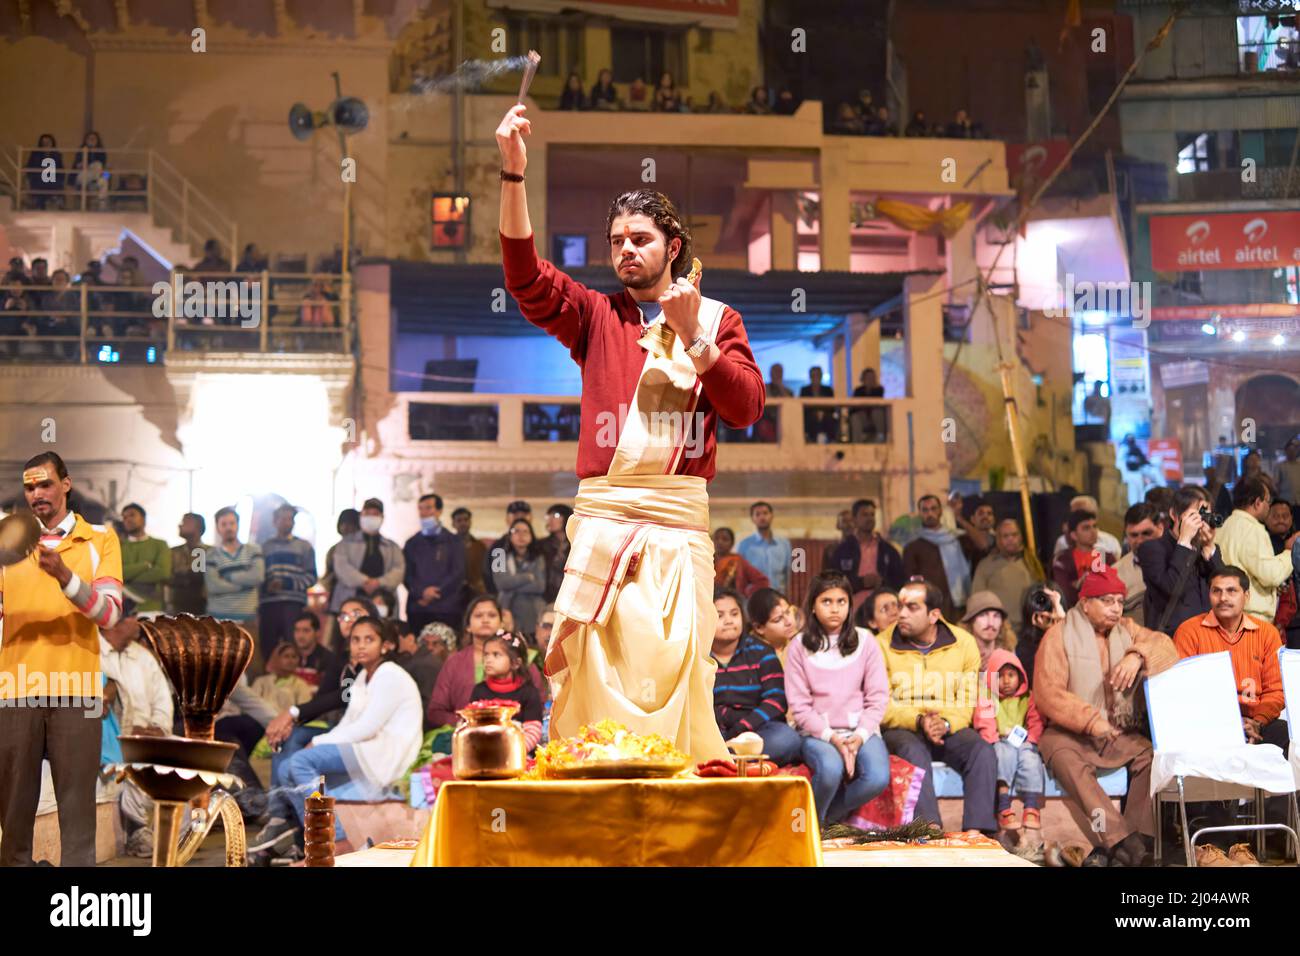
x=658, y=338
x=203, y=659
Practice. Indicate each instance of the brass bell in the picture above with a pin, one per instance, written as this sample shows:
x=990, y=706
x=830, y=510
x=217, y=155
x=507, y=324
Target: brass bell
x=658, y=338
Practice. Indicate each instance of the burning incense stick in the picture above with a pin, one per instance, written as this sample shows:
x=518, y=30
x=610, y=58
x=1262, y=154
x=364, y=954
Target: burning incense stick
x=530, y=71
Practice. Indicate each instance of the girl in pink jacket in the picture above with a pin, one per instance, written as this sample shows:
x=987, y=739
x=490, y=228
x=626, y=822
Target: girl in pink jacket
x=1007, y=718
x=837, y=688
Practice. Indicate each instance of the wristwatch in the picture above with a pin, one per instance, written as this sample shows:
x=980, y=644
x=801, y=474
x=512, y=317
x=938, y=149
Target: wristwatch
x=698, y=347
x=293, y=711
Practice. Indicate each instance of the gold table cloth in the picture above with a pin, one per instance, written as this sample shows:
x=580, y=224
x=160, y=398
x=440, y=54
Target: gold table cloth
x=678, y=821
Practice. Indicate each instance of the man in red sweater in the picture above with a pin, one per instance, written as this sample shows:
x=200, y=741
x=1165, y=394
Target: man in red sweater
x=635, y=615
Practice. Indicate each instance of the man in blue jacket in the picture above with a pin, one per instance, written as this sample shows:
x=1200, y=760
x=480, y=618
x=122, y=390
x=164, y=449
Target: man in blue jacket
x=868, y=559
x=435, y=570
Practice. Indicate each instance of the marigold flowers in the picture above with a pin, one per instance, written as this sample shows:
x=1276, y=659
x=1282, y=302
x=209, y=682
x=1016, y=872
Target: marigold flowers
x=606, y=740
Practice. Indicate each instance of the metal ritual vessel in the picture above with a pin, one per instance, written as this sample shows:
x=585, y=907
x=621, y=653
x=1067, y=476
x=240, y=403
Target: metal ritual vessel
x=203, y=659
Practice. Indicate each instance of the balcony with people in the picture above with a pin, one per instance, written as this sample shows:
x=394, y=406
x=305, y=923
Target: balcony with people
x=109, y=313
x=135, y=300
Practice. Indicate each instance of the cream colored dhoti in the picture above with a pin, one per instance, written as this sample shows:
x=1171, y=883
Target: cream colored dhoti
x=635, y=616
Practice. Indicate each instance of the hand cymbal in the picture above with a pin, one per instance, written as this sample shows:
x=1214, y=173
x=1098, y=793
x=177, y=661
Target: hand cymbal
x=20, y=533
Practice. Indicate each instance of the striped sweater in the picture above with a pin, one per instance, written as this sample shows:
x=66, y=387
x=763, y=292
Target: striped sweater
x=748, y=690
x=232, y=581
x=292, y=562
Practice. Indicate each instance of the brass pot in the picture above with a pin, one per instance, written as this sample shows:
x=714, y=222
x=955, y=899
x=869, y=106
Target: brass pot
x=488, y=744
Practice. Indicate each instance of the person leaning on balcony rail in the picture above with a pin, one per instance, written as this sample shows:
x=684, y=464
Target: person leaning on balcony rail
x=963, y=127
x=62, y=309
x=252, y=259
x=786, y=104
x=317, y=309
x=918, y=126
x=604, y=95
x=715, y=104
x=45, y=174
x=214, y=259
x=821, y=424
x=573, y=98
x=638, y=95
x=868, y=424
x=758, y=104
x=881, y=123
x=668, y=98
x=91, y=165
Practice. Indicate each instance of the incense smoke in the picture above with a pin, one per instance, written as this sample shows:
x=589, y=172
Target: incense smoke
x=470, y=75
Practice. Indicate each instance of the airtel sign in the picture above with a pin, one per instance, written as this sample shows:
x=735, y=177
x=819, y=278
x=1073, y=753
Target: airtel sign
x=1247, y=240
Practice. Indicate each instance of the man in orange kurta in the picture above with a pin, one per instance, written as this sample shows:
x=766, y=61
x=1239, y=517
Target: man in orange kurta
x=1252, y=644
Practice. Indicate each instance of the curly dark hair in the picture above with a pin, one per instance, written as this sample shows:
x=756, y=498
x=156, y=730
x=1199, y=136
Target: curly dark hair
x=647, y=202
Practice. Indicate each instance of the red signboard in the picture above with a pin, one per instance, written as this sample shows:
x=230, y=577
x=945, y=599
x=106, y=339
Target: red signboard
x=1249, y=310
x=1167, y=454
x=1238, y=240
x=1028, y=164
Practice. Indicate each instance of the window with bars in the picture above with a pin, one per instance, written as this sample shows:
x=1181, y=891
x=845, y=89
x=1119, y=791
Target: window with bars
x=646, y=52
x=1194, y=153
x=557, y=39
x=1267, y=44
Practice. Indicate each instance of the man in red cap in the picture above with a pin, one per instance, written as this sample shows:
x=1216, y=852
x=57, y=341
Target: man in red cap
x=1086, y=675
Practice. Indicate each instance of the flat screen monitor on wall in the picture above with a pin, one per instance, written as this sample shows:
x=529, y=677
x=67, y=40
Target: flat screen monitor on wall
x=449, y=375
x=569, y=251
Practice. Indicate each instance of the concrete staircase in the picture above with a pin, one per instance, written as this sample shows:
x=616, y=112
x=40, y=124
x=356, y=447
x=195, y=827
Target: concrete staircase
x=166, y=225
x=68, y=240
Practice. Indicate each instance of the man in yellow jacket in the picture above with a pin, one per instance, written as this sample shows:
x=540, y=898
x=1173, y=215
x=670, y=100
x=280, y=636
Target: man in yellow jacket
x=52, y=604
x=933, y=681
x=1244, y=543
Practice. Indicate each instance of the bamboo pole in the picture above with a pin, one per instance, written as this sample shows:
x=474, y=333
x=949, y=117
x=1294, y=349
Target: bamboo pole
x=1004, y=364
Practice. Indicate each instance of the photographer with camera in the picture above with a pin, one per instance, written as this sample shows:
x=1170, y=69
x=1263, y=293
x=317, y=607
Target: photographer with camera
x=1178, y=565
x=1043, y=607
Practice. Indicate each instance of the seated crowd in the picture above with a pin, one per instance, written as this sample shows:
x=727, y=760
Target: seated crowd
x=120, y=304
x=946, y=649
x=665, y=97
x=867, y=118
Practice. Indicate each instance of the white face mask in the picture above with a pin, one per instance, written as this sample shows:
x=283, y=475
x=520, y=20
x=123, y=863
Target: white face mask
x=370, y=523
x=381, y=610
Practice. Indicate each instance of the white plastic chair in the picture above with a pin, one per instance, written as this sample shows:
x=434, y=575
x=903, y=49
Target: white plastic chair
x=1201, y=751
x=1289, y=663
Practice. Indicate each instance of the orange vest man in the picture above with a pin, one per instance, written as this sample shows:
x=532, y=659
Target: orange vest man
x=52, y=604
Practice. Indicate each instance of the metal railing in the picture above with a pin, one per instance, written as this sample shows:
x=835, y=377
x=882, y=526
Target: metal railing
x=265, y=311
x=1270, y=182
x=116, y=180
x=530, y=420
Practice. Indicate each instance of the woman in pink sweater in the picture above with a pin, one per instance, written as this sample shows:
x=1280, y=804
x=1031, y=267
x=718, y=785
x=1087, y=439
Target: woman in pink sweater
x=837, y=688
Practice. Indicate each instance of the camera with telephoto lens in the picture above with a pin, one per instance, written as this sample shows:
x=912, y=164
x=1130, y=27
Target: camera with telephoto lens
x=1211, y=518
x=1041, y=601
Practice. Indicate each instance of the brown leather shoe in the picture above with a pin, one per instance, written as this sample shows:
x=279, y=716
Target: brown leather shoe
x=1207, y=854
x=1240, y=854
x=1073, y=855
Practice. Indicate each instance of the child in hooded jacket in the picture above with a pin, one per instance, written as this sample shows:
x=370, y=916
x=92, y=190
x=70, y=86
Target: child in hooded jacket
x=1007, y=718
